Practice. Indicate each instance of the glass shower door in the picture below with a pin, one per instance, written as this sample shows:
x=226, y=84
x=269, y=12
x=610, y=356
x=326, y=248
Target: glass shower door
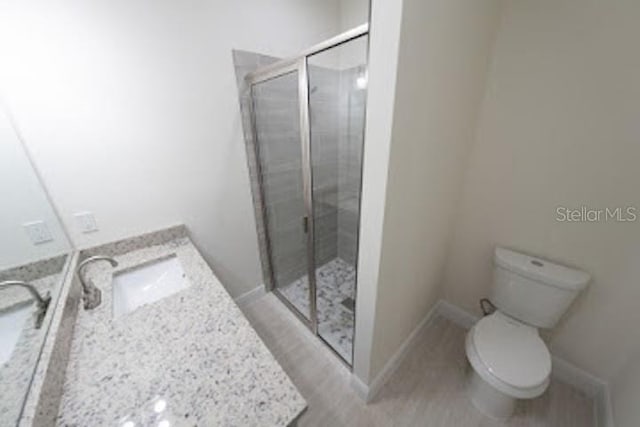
x=276, y=111
x=307, y=121
x=337, y=97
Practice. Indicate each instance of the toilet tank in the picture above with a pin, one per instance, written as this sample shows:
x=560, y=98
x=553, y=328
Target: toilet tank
x=532, y=290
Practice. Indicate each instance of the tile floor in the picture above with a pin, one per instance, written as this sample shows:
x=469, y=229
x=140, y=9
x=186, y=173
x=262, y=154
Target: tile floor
x=428, y=389
x=335, y=283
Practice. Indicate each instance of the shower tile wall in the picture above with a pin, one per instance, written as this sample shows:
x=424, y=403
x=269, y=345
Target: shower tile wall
x=276, y=103
x=244, y=63
x=324, y=116
x=352, y=111
x=336, y=144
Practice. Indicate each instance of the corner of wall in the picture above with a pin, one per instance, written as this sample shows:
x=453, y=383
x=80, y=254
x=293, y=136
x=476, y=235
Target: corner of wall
x=384, y=39
x=435, y=112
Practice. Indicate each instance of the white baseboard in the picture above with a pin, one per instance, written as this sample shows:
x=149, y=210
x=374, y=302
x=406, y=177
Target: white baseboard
x=368, y=392
x=456, y=314
x=562, y=370
x=250, y=296
x=361, y=389
x=578, y=378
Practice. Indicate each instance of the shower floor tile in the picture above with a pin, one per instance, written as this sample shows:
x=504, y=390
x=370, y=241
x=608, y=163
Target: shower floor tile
x=335, y=283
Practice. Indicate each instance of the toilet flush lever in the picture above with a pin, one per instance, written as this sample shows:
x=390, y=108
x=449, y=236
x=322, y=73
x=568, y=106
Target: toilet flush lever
x=305, y=224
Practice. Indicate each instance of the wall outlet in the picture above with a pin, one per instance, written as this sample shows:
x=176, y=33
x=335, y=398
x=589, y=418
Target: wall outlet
x=38, y=232
x=86, y=222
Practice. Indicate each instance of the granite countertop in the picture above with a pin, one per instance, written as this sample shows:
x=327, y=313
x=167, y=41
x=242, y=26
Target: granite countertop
x=189, y=359
x=15, y=374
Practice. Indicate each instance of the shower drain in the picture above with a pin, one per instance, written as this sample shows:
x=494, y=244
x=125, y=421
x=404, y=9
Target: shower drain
x=349, y=303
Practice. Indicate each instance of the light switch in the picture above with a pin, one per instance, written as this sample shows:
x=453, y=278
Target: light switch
x=86, y=222
x=38, y=232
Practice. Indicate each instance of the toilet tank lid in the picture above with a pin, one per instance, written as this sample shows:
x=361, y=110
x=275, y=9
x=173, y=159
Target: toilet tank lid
x=541, y=270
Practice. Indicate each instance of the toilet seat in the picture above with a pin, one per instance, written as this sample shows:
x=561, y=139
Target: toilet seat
x=509, y=355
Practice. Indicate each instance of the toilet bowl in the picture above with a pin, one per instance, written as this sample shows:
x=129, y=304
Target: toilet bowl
x=509, y=360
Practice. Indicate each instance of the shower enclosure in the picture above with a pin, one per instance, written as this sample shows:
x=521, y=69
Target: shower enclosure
x=307, y=125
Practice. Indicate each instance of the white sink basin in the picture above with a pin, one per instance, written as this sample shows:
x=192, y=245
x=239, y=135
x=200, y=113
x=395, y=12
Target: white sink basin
x=11, y=324
x=147, y=284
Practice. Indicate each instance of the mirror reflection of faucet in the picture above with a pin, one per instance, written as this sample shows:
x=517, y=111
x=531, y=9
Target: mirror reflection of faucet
x=42, y=301
x=92, y=296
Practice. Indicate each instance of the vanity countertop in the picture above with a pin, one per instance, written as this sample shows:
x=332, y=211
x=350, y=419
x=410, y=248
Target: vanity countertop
x=189, y=359
x=16, y=373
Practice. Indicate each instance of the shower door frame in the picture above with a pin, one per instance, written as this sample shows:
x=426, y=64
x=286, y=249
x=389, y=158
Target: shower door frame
x=299, y=65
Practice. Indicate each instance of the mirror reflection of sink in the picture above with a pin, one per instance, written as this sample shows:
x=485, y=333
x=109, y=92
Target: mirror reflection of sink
x=12, y=322
x=146, y=284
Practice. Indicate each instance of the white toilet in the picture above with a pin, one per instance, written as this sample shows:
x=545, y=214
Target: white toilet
x=509, y=359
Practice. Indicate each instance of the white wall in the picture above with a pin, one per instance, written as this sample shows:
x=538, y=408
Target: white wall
x=130, y=110
x=560, y=127
x=386, y=18
x=625, y=391
x=443, y=56
x=353, y=13
x=23, y=200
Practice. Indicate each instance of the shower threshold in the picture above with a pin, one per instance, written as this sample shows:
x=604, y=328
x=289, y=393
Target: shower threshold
x=335, y=282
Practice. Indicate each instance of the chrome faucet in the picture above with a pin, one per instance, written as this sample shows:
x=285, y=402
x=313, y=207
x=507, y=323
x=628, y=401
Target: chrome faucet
x=42, y=302
x=92, y=296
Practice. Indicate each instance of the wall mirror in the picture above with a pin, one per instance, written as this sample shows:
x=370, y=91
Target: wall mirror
x=34, y=255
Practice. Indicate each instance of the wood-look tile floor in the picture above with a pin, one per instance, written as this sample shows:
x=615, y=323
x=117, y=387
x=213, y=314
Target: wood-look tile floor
x=428, y=389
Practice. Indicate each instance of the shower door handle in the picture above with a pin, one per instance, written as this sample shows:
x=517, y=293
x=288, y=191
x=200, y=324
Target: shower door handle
x=305, y=224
